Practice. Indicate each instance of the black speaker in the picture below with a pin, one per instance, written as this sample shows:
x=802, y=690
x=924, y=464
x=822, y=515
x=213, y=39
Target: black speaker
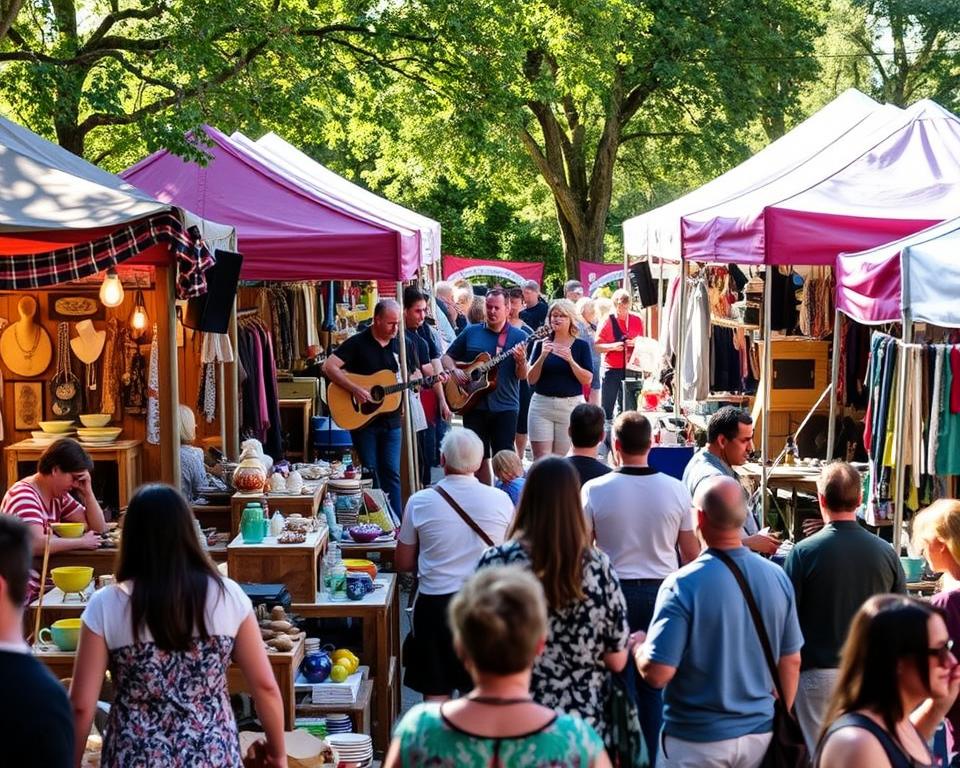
x=211, y=312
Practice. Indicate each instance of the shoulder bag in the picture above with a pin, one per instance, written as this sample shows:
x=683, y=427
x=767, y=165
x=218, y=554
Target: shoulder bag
x=787, y=748
x=464, y=516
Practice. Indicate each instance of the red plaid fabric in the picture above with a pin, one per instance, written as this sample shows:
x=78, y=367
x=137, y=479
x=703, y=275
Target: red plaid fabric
x=38, y=270
x=192, y=265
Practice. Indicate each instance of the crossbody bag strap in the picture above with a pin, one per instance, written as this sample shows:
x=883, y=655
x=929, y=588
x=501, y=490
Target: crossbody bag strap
x=757, y=618
x=464, y=516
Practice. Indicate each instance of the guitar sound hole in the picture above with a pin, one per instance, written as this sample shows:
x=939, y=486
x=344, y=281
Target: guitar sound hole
x=475, y=375
x=376, y=393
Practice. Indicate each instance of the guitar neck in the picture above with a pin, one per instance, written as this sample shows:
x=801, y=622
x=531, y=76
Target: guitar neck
x=426, y=381
x=493, y=362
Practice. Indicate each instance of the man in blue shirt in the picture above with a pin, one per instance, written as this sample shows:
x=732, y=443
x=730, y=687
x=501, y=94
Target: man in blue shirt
x=494, y=417
x=703, y=645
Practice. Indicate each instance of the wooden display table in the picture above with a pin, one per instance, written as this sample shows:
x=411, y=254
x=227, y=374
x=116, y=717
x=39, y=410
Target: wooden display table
x=104, y=559
x=387, y=551
x=125, y=454
x=283, y=664
x=302, y=411
x=293, y=565
x=359, y=711
x=56, y=606
x=380, y=613
x=304, y=504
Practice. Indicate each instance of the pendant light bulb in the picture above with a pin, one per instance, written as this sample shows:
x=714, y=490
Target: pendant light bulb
x=111, y=290
x=139, y=319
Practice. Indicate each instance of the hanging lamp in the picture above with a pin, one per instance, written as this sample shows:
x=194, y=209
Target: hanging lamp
x=111, y=290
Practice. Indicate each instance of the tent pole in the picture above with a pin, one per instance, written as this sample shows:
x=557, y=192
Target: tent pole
x=409, y=436
x=231, y=389
x=898, y=436
x=681, y=318
x=834, y=375
x=170, y=378
x=767, y=373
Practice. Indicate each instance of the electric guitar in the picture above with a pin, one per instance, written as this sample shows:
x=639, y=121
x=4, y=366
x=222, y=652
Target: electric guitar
x=482, y=370
x=385, y=395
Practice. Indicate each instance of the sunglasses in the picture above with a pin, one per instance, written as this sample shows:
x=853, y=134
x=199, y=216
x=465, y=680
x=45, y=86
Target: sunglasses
x=943, y=654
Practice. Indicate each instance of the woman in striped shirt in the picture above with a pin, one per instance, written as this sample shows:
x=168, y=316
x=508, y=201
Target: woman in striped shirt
x=46, y=497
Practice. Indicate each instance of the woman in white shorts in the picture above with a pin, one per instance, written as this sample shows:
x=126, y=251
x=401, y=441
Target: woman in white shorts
x=562, y=366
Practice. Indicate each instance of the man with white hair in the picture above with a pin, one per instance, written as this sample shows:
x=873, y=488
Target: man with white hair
x=444, y=532
x=704, y=647
x=535, y=313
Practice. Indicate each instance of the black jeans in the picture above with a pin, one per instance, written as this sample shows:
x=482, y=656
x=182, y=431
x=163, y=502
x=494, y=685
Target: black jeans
x=611, y=391
x=496, y=429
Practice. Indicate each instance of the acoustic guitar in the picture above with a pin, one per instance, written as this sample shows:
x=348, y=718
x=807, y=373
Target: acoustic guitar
x=385, y=394
x=461, y=398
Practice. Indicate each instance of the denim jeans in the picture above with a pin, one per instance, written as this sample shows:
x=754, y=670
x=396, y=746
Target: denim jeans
x=641, y=595
x=611, y=392
x=379, y=449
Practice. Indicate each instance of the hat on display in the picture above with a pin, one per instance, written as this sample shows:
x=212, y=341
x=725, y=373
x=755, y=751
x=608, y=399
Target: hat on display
x=87, y=345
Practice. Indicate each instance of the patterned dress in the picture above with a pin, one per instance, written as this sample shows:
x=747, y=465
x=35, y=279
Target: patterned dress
x=570, y=675
x=427, y=738
x=171, y=709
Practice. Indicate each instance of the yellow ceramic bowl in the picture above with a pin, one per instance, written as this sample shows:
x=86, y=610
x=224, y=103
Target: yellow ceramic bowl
x=68, y=530
x=95, y=419
x=99, y=431
x=72, y=578
x=361, y=566
x=55, y=427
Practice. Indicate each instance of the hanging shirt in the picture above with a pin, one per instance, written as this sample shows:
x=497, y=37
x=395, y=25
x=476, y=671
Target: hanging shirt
x=695, y=368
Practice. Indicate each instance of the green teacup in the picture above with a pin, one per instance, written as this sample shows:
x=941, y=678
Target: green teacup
x=65, y=634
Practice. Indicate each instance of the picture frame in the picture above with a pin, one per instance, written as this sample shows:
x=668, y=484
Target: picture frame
x=75, y=305
x=27, y=405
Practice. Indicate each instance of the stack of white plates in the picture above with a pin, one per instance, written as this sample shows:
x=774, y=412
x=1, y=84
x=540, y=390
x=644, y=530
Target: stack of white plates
x=48, y=437
x=339, y=724
x=352, y=747
x=98, y=435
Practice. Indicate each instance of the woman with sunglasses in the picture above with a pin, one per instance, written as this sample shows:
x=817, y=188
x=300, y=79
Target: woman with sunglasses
x=936, y=533
x=897, y=679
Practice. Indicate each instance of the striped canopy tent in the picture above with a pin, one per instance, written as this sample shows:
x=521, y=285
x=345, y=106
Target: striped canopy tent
x=64, y=219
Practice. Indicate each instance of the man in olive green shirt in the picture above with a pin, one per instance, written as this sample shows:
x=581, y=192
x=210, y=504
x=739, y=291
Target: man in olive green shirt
x=833, y=573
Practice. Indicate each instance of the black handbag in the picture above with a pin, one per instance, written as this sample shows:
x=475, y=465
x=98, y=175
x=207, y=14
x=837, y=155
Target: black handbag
x=787, y=747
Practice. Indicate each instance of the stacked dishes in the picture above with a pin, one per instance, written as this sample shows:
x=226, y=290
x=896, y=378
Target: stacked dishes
x=339, y=724
x=53, y=430
x=98, y=435
x=352, y=748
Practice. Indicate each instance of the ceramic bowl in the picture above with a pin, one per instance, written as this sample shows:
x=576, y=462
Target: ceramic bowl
x=72, y=578
x=365, y=533
x=68, y=530
x=95, y=419
x=56, y=427
x=912, y=568
x=362, y=566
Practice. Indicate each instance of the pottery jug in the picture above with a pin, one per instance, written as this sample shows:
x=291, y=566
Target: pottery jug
x=251, y=524
x=249, y=476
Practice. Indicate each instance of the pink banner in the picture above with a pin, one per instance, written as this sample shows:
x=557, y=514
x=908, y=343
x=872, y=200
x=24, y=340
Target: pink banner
x=594, y=274
x=456, y=267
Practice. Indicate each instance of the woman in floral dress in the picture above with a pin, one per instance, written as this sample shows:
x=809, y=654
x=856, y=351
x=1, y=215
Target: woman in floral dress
x=499, y=623
x=588, y=629
x=168, y=630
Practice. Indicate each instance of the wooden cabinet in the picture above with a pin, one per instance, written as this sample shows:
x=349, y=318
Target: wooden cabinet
x=295, y=414
x=801, y=371
x=293, y=565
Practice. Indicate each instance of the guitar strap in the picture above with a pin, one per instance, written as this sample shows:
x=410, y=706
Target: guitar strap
x=502, y=339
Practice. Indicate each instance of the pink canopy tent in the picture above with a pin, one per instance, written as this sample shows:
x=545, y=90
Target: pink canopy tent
x=285, y=231
x=657, y=232
x=897, y=173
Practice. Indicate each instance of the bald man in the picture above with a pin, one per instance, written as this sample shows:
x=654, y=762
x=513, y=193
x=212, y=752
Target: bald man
x=703, y=646
x=370, y=351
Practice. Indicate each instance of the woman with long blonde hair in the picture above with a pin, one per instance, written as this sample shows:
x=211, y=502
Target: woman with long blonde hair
x=562, y=365
x=587, y=612
x=936, y=533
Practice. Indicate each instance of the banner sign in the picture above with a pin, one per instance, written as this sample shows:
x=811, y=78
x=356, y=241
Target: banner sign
x=595, y=274
x=456, y=267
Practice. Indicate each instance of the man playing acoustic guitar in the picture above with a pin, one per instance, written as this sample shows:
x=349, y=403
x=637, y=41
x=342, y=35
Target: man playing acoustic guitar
x=494, y=417
x=367, y=352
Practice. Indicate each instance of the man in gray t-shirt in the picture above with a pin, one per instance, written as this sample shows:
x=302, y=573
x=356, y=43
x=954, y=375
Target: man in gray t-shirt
x=729, y=443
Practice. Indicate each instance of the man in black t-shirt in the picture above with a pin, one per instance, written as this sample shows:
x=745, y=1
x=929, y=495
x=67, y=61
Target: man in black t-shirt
x=427, y=359
x=535, y=313
x=586, y=434
x=369, y=351
x=36, y=722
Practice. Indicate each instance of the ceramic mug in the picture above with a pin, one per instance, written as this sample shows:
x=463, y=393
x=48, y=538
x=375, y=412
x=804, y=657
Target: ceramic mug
x=358, y=585
x=65, y=634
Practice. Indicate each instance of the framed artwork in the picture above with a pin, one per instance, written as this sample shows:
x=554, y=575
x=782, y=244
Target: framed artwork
x=74, y=306
x=27, y=404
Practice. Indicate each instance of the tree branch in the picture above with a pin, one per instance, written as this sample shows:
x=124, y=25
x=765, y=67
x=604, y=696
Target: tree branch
x=653, y=135
x=6, y=21
x=143, y=14
x=561, y=192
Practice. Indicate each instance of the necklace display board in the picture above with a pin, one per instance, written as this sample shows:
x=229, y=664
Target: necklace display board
x=25, y=346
